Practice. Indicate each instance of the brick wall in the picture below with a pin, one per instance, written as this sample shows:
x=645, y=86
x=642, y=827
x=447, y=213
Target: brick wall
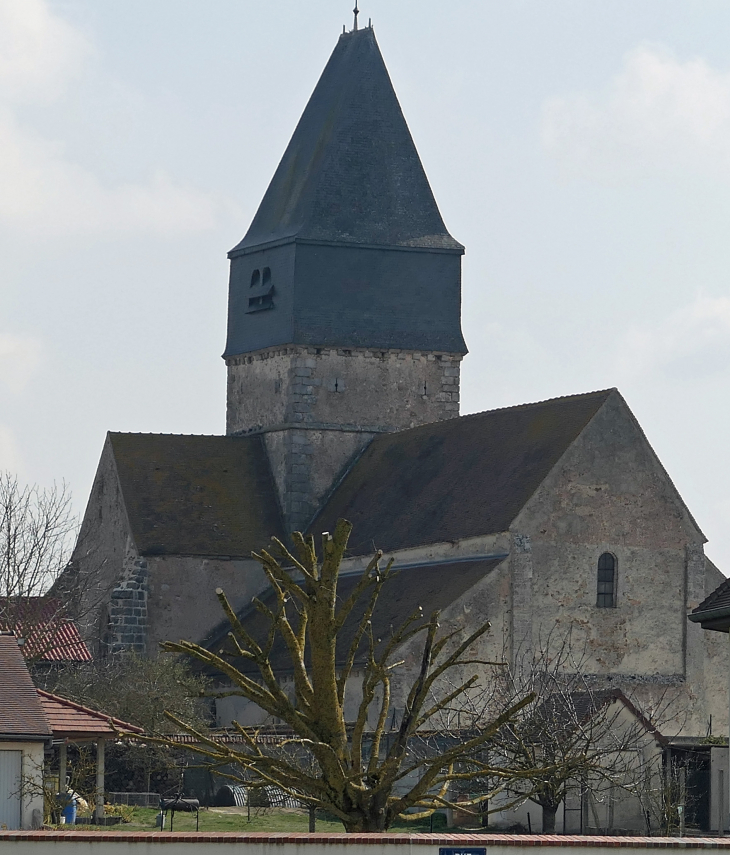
x=191, y=843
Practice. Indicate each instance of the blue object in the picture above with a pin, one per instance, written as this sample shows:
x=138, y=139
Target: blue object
x=69, y=811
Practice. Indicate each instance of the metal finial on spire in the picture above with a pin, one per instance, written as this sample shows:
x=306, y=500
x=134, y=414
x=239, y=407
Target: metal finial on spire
x=356, y=12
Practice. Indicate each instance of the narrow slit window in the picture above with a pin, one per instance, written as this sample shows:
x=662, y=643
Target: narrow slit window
x=606, y=581
x=255, y=279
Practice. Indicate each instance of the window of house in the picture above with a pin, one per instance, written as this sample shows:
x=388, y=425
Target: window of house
x=606, y=598
x=255, y=278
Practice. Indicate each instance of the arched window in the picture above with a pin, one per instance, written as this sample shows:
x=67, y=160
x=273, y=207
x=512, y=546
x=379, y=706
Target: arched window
x=261, y=295
x=606, y=581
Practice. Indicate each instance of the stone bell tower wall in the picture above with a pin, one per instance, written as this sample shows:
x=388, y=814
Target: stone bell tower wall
x=318, y=407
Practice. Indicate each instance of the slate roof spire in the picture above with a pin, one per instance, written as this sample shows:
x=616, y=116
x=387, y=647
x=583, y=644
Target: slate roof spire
x=351, y=173
x=348, y=248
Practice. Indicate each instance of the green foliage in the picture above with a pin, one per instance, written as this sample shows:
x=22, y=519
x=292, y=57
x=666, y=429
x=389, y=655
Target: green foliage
x=137, y=690
x=714, y=740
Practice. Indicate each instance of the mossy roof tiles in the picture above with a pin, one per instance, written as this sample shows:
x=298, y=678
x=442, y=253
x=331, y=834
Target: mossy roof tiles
x=197, y=495
x=21, y=712
x=455, y=479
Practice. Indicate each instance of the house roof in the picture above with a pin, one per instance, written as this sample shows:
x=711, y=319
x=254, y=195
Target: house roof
x=433, y=587
x=714, y=611
x=197, y=495
x=21, y=711
x=47, y=636
x=455, y=479
x=571, y=710
x=351, y=173
x=69, y=720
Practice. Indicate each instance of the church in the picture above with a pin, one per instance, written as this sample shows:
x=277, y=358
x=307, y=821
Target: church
x=344, y=354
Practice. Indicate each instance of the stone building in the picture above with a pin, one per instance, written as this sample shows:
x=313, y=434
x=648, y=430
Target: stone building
x=343, y=355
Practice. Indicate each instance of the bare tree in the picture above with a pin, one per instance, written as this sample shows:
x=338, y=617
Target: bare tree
x=138, y=689
x=37, y=528
x=363, y=773
x=36, y=532
x=575, y=735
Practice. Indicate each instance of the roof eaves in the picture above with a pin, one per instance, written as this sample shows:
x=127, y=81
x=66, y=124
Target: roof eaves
x=709, y=614
x=660, y=738
x=25, y=737
x=238, y=251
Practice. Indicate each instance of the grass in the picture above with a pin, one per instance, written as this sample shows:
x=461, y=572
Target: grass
x=236, y=819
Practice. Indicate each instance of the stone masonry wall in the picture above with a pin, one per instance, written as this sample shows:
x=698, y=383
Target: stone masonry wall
x=104, y=554
x=610, y=494
x=127, y=628
x=319, y=407
x=380, y=390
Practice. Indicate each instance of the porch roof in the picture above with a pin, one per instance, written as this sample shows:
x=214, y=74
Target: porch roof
x=69, y=720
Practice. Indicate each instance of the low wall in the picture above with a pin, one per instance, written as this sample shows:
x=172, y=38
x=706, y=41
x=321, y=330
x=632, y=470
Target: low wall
x=193, y=843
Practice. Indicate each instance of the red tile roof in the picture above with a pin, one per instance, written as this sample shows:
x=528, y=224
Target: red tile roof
x=47, y=635
x=21, y=712
x=69, y=720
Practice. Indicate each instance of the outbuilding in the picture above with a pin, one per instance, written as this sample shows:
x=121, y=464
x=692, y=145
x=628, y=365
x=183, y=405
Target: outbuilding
x=24, y=734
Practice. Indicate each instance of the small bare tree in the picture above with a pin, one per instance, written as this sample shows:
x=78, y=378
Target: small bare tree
x=36, y=532
x=574, y=735
x=37, y=527
x=137, y=690
x=362, y=772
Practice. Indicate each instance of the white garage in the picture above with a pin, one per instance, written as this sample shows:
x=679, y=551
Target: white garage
x=24, y=732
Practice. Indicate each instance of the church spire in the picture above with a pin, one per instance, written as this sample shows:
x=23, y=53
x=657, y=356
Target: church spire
x=351, y=172
x=356, y=12
x=370, y=262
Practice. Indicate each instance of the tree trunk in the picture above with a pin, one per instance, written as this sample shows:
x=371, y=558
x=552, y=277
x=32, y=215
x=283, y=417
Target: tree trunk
x=371, y=823
x=548, y=819
x=312, y=819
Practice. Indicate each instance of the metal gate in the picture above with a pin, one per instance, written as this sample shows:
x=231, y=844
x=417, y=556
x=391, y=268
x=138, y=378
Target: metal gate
x=10, y=770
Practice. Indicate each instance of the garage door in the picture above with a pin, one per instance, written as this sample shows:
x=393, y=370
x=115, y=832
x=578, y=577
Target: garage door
x=9, y=789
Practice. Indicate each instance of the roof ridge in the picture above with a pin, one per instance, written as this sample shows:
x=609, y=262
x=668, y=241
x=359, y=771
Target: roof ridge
x=501, y=455
x=543, y=401
x=186, y=435
x=512, y=408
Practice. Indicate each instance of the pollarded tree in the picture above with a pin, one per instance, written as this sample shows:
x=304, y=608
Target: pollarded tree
x=363, y=773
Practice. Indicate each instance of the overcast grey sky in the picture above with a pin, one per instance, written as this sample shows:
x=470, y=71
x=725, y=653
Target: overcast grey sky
x=580, y=151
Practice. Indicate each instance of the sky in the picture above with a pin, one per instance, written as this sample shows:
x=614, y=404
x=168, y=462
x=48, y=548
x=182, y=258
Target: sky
x=580, y=151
